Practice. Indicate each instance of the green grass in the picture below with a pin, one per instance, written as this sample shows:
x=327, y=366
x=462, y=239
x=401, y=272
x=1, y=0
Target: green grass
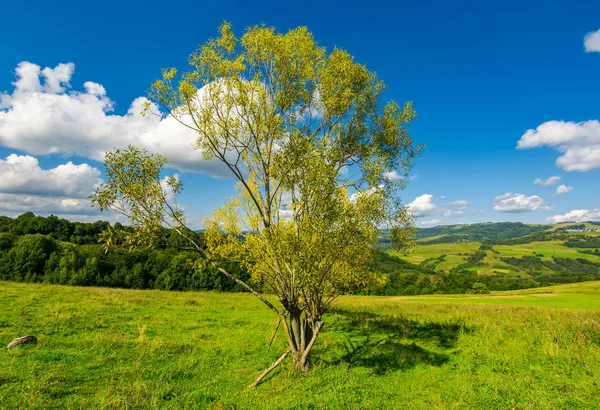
x=111, y=348
x=584, y=295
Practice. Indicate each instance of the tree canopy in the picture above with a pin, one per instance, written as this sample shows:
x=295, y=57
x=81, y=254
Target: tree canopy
x=318, y=155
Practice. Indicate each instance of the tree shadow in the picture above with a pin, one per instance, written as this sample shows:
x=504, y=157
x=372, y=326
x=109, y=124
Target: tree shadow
x=388, y=343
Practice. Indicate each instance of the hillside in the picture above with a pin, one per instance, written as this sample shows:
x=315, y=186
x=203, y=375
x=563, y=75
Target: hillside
x=449, y=259
x=117, y=348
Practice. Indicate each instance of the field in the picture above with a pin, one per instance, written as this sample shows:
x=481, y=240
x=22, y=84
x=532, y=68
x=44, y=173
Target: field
x=112, y=348
x=546, y=248
x=457, y=253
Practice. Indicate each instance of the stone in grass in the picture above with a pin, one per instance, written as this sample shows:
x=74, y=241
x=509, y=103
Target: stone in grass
x=22, y=340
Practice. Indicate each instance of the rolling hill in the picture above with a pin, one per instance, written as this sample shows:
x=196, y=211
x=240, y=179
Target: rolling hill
x=501, y=256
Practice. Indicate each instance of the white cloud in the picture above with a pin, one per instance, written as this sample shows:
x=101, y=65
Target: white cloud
x=517, y=203
x=430, y=223
x=353, y=197
x=22, y=174
x=20, y=203
x=460, y=202
x=94, y=88
x=286, y=213
x=591, y=42
x=393, y=176
x=563, y=189
x=422, y=205
x=576, y=215
x=63, y=190
x=49, y=117
x=579, y=143
x=548, y=182
x=453, y=214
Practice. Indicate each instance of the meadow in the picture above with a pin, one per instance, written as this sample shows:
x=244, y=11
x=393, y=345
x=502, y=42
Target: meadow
x=115, y=348
x=457, y=253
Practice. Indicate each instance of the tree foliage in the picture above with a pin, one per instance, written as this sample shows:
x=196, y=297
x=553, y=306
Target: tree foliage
x=318, y=160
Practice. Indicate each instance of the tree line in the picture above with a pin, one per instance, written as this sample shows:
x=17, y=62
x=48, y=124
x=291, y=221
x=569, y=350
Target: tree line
x=54, y=250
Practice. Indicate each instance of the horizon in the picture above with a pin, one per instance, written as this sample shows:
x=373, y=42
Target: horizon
x=508, y=116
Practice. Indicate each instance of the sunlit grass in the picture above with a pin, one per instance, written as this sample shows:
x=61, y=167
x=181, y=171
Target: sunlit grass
x=110, y=348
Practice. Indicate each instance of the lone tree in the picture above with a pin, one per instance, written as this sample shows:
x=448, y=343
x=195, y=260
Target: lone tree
x=318, y=160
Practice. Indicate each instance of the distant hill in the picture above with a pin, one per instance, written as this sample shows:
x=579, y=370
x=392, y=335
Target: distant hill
x=481, y=232
x=496, y=256
x=497, y=232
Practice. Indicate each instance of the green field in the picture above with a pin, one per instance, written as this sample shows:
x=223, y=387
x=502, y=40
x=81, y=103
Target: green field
x=547, y=248
x=112, y=348
x=457, y=253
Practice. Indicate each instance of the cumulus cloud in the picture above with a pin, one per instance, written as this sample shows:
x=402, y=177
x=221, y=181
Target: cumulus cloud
x=75, y=209
x=548, y=182
x=63, y=190
x=422, y=205
x=44, y=115
x=576, y=215
x=22, y=174
x=578, y=143
x=517, y=203
x=563, y=189
x=591, y=42
x=18, y=203
x=430, y=223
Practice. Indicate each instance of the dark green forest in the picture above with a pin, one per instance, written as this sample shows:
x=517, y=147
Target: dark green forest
x=53, y=250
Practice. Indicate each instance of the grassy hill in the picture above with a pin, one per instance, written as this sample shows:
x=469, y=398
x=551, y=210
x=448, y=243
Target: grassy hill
x=116, y=348
x=544, y=255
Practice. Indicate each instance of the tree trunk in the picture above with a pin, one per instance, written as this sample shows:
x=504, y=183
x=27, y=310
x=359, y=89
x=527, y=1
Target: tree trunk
x=304, y=334
x=301, y=335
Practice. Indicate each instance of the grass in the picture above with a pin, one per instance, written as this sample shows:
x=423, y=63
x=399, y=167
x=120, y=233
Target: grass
x=112, y=348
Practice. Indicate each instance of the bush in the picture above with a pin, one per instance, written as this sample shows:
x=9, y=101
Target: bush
x=480, y=288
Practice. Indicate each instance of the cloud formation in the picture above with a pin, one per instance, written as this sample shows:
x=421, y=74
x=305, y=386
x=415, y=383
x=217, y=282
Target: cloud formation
x=64, y=190
x=548, y=182
x=578, y=143
x=459, y=202
x=517, y=203
x=393, y=176
x=22, y=174
x=44, y=115
x=422, y=205
x=591, y=42
x=563, y=189
x=576, y=215
x=453, y=214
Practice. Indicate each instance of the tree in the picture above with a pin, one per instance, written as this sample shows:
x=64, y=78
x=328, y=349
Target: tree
x=480, y=288
x=317, y=159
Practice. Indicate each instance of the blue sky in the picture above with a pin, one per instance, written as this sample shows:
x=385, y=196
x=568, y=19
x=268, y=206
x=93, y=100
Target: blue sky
x=480, y=75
